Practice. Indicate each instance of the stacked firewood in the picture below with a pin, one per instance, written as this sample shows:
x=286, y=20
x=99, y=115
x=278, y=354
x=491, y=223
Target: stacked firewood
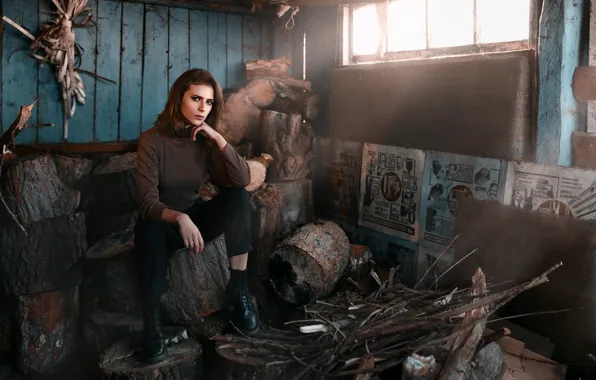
x=364, y=332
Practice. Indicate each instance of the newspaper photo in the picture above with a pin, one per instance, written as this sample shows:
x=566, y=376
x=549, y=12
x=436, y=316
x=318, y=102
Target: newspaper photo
x=336, y=178
x=557, y=190
x=390, y=251
x=390, y=190
x=448, y=177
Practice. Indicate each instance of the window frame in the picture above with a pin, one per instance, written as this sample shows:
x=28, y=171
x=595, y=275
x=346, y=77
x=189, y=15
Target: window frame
x=347, y=57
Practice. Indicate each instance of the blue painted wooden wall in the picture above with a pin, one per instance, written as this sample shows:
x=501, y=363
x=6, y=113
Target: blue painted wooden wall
x=142, y=47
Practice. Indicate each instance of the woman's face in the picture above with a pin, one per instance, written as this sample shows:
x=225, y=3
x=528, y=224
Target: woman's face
x=197, y=102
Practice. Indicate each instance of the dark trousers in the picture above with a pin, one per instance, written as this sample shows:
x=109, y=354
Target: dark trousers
x=227, y=213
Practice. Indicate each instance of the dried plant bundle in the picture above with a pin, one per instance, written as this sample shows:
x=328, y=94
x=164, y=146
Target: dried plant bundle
x=56, y=44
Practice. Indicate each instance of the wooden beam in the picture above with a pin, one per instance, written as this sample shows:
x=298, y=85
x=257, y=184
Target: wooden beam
x=118, y=147
x=229, y=6
x=328, y=3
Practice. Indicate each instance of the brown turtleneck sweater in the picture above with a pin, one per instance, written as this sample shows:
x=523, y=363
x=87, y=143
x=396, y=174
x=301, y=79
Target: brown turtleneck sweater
x=171, y=171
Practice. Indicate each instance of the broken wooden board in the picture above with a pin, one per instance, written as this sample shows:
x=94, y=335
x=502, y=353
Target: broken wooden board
x=584, y=83
x=584, y=150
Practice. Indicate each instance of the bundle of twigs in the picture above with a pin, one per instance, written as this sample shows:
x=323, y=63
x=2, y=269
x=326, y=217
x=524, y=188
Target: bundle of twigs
x=340, y=334
x=56, y=45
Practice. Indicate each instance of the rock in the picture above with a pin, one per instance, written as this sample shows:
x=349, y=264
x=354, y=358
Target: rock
x=489, y=363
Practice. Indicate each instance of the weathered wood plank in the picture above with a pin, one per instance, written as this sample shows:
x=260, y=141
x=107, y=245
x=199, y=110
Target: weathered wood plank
x=82, y=126
x=49, y=109
x=199, y=40
x=251, y=46
x=19, y=74
x=234, y=51
x=230, y=6
x=266, y=39
x=216, y=22
x=109, y=26
x=131, y=82
x=155, y=64
x=179, y=43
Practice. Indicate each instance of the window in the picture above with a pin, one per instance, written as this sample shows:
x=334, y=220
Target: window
x=400, y=29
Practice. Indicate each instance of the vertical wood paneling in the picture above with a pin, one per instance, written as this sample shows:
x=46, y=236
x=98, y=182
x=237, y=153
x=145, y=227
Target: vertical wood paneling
x=19, y=74
x=50, y=108
x=251, y=47
x=82, y=125
x=234, y=52
x=144, y=48
x=179, y=45
x=109, y=21
x=155, y=64
x=131, y=80
x=216, y=23
x=199, y=40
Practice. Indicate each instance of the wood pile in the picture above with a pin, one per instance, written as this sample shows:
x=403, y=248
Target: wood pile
x=366, y=332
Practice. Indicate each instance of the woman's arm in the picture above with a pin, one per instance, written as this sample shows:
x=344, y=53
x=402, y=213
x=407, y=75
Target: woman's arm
x=150, y=207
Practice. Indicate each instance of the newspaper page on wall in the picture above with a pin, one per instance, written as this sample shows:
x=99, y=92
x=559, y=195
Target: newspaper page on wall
x=390, y=190
x=394, y=251
x=336, y=178
x=448, y=177
x=557, y=190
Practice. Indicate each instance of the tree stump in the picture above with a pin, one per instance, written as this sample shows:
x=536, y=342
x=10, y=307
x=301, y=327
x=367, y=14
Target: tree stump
x=114, y=193
x=307, y=265
x=266, y=223
x=113, y=271
x=72, y=170
x=100, y=226
x=44, y=259
x=102, y=328
x=297, y=207
x=196, y=283
x=240, y=118
x=34, y=192
x=182, y=362
x=288, y=140
x=48, y=331
x=116, y=164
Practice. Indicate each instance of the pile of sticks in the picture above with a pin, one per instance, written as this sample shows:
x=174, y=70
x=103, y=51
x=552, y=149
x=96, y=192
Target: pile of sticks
x=356, y=333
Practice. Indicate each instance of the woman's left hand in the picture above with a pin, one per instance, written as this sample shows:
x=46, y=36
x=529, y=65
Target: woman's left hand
x=210, y=133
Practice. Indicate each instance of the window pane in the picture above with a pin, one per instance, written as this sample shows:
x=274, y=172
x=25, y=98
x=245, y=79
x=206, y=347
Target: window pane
x=450, y=23
x=407, y=25
x=365, y=32
x=502, y=20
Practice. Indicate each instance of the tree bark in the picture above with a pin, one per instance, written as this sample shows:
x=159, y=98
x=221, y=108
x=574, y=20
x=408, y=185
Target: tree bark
x=240, y=118
x=307, y=265
x=100, y=226
x=181, y=363
x=119, y=163
x=266, y=226
x=102, y=328
x=297, y=206
x=111, y=194
x=288, y=141
x=46, y=259
x=34, y=192
x=261, y=92
x=72, y=170
x=196, y=283
x=48, y=331
x=277, y=66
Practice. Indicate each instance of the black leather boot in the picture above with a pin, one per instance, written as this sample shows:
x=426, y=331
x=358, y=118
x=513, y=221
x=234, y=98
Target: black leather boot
x=154, y=346
x=244, y=314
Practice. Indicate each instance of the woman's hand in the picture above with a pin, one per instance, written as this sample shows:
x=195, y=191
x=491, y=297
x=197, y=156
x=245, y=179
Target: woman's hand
x=210, y=133
x=191, y=236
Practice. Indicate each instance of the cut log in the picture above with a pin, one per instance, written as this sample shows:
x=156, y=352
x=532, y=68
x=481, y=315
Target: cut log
x=34, y=192
x=277, y=66
x=266, y=224
x=297, y=207
x=113, y=273
x=307, y=265
x=196, y=283
x=261, y=92
x=284, y=79
x=210, y=326
x=240, y=118
x=288, y=141
x=48, y=331
x=111, y=194
x=102, y=329
x=182, y=362
x=119, y=163
x=100, y=226
x=44, y=259
x=258, y=171
x=72, y=170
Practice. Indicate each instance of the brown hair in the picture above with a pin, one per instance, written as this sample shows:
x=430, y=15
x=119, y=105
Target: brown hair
x=171, y=121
